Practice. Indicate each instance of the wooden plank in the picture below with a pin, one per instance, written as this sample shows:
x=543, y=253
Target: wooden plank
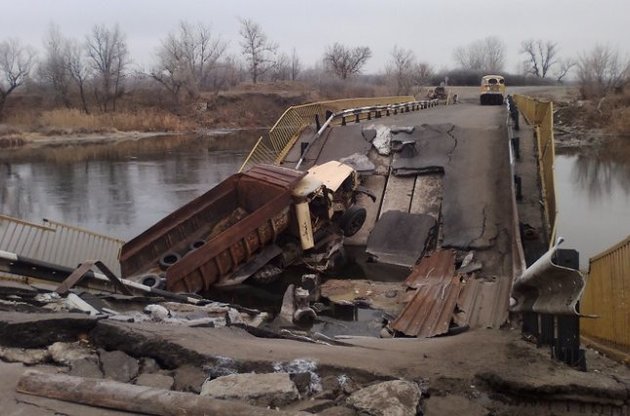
x=398, y=193
x=427, y=195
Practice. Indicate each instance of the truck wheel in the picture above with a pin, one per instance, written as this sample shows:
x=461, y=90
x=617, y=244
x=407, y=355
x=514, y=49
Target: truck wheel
x=352, y=220
x=168, y=259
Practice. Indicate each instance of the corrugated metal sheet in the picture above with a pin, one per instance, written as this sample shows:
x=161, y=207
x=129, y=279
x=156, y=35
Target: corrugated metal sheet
x=430, y=311
x=438, y=265
x=483, y=303
x=58, y=243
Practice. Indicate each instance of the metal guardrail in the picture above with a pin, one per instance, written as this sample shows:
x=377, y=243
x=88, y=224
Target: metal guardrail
x=607, y=295
x=539, y=114
x=58, y=243
x=274, y=147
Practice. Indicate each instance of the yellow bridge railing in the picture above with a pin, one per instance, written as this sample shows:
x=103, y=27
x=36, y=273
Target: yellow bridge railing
x=274, y=147
x=539, y=114
x=607, y=295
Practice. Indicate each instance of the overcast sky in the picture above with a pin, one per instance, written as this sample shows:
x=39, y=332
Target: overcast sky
x=432, y=29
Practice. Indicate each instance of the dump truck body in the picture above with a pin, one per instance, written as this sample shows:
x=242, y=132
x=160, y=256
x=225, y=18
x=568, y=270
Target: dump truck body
x=207, y=239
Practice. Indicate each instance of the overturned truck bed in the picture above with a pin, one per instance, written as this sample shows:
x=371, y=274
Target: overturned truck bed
x=206, y=240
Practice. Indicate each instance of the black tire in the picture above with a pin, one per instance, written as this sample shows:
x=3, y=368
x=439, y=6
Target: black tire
x=482, y=100
x=500, y=100
x=196, y=244
x=352, y=220
x=169, y=259
x=152, y=280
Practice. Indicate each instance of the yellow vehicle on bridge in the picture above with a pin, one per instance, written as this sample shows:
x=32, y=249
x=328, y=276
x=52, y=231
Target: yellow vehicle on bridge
x=492, y=90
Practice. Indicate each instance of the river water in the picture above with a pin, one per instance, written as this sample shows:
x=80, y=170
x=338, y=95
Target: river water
x=593, y=192
x=121, y=189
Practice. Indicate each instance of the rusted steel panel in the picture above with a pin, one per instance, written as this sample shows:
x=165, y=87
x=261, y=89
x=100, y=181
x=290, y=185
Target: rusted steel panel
x=430, y=311
x=284, y=177
x=228, y=210
x=439, y=265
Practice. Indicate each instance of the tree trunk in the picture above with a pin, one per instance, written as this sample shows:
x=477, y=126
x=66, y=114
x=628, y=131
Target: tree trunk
x=132, y=398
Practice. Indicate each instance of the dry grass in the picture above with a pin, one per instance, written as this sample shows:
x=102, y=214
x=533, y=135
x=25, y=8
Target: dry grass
x=143, y=120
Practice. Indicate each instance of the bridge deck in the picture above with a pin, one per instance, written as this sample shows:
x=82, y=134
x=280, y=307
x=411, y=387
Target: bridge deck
x=464, y=183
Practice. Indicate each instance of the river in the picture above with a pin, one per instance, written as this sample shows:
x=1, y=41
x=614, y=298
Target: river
x=121, y=189
x=593, y=192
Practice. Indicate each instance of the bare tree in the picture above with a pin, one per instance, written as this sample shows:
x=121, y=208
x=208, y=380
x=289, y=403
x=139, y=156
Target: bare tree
x=400, y=69
x=601, y=71
x=53, y=69
x=344, y=61
x=296, y=65
x=186, y=57
x=564, y=67
x=79, y=70
x=258, y=51
x=484, y=55
x=281, y=70
x=109, y=58
x=541, y=56
x=16, y=62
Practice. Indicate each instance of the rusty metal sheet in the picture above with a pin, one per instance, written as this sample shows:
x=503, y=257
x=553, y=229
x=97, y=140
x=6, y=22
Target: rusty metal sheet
x=430, y=310
x=546, y=287
x=483, y=302
x=436, y=266
x=276, y=175
x=261, y=196
x=406, y=245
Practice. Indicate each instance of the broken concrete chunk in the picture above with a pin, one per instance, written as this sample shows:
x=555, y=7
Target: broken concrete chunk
x=360, y=162
x=159, y=381
x=337, y=411
x=368, y=134
x=382, y=140
x=189, y=378
x=86, y=367
x=149, y=365
x=66, y=353
x=407, y=129
x=271, y=389
x=25, y=356
x=118, y=366
x=389, y=398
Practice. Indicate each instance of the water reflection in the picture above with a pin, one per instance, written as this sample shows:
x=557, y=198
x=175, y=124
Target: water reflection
x=116, y=189
x=593, y=191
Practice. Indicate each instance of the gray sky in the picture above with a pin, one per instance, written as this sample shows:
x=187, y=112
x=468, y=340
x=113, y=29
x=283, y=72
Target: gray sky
x=432, y=29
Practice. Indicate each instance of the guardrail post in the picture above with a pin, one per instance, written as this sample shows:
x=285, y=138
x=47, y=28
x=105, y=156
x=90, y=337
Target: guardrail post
x=516, y=147
x=369, y=117
x=317, y=123
x=387, y=112
x=356, y=118
x=518, y=184
x=566, y=347
x=343, y=120
x=378, y=114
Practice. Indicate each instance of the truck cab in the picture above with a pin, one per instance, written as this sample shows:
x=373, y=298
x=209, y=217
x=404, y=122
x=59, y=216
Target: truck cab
x=492, y=90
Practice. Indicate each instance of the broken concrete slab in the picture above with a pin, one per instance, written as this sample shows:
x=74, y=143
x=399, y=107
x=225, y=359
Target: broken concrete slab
x=9, y=288
x=85, y=368
x=405, y=245
x=118, y=366
x=270, y=389
x=434, y=145
x=398, y=194
x=189, y=378
x=30, y=356
x=27, y=330
x=389, y=398
x=159, y=381
x=359, y=162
